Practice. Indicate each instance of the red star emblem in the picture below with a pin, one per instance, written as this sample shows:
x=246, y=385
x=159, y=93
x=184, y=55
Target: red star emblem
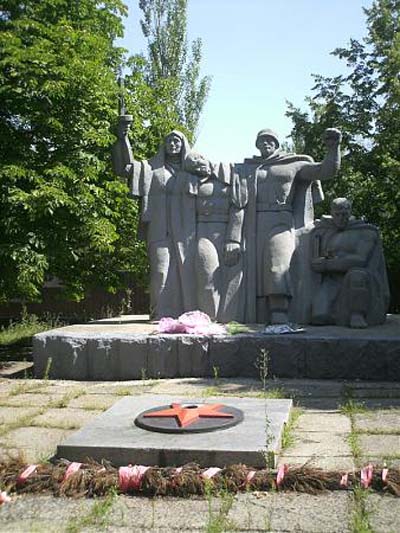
x=185, y=416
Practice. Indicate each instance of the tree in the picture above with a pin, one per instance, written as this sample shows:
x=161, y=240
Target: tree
x=62, y=212
x=172, y=68
x=365, y=104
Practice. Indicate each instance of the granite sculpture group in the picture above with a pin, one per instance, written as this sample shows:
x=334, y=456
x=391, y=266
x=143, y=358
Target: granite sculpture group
x=239, y=241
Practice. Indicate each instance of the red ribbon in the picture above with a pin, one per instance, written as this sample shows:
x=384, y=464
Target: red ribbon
x=130, y=477
x=4, y=498
x=72, y=468
x=366, y=476
x=280, y=476
x=29, y=470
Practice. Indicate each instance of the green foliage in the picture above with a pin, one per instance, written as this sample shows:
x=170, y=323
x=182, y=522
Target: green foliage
x=62, y=212
x=365, y=104
x=173, y=65
x=24, y=329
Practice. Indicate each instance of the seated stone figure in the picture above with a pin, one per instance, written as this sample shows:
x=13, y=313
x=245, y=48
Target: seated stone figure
x=350, y=286
x=220, y=201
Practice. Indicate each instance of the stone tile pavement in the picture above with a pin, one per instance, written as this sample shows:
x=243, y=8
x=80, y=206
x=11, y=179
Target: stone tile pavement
x=339, y=425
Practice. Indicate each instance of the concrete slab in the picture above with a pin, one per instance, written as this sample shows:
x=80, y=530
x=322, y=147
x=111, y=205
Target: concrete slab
x=288, y=512
x=114, y=436
x=37, y=444
x=379, y=445
x=10, y=415
x=331, y=422
x=384, y=513
x=63, y=418
x=312, y=443
x=29, y=399
x=125, y=348
x=326, y=462
x=385, y=421
x=93, y=401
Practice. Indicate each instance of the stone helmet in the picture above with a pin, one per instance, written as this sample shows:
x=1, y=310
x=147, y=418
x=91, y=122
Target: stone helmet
x=270, y=133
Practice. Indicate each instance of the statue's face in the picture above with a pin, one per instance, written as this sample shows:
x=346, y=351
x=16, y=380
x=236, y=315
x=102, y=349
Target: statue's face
x=173, y=145
x=341, y=216
x=266, y=145
x=123, y=127
x=200, y=165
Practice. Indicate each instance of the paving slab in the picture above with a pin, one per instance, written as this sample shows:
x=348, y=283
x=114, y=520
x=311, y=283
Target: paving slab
x=168, y=514
x=29, y=400
x=93, y=401
x=34, y=442
x=64, y=418
x=331, y=422
x=10, y=415
x=385, y=421
x=326, y=462
x=312, y=443
x=325, y=513
x=379, y=445
x=384, y=513
x=114, y=436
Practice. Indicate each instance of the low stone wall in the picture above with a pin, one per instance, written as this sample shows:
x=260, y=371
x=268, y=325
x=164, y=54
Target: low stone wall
x=127, y=348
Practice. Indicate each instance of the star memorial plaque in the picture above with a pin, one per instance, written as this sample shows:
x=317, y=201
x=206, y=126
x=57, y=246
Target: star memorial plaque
x=189, y=418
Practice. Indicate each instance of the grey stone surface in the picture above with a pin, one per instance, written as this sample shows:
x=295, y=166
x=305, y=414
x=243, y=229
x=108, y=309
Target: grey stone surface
x=287, y=512
x=384, y=513
x=324, y=352
x=14, y=414
x=36, y=443
x=310, y=443
x=326, y=462
x=384, y=421
x=349, y=286
x=334, y=423
x=114, y=436
x=198, y=219
x=63, y=418
x=380, y=445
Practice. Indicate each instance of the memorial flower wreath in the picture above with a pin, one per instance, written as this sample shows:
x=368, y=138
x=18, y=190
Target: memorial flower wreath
x=91, y=479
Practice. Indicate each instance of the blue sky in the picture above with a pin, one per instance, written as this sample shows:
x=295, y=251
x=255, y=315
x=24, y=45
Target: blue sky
x=259, y=53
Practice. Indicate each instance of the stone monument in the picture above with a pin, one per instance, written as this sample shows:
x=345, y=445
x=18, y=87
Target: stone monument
x=221, y=198
x=282, y=189
x=349, y=285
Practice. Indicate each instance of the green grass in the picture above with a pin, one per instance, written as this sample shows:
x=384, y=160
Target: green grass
x=235, y=328
x=218, y=521
x=288, y=438
x=352, y=407
x=97, y=517
x=360, y=518
x=23, y=330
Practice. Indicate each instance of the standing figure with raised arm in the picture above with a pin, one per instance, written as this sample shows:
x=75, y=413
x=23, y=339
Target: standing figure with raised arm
x=167, y=218
x=282, y=190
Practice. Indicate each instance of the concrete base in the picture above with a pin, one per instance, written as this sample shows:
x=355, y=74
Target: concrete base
x=113, y=436
x=128, y=348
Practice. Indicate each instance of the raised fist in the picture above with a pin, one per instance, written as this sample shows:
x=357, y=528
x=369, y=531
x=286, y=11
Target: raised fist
x=231, y=253
x=332, y=137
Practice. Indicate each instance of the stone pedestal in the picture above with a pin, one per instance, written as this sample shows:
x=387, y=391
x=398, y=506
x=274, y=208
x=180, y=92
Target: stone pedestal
x=128, y=348
x=113, y=435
